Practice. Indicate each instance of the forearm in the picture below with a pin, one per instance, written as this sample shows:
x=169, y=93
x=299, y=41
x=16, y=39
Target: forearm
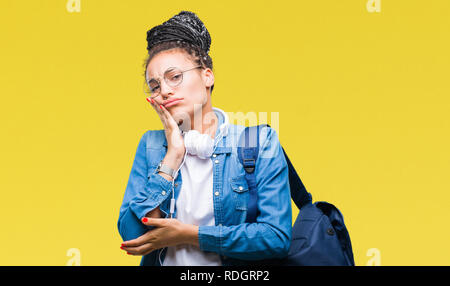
x=147, y=193
x=173, y=160
x=247, y=241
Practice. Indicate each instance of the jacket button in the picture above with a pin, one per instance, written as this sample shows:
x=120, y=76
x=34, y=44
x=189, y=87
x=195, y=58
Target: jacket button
x=241, y=188
x=214, y=155
x=216, y=193
x=330, y=231
x=176, y=184
x=163, y=193
x=217, y=161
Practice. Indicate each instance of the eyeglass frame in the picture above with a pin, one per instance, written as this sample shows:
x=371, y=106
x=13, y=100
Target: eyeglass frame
x=159, y=82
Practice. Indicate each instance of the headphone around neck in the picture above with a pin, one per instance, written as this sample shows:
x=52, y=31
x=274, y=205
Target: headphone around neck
x=202, y=145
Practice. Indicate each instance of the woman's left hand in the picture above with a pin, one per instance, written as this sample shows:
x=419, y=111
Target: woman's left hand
x=167, y=232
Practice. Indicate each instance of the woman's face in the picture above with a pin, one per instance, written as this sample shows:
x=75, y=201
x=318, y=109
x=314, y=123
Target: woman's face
x=192, y=91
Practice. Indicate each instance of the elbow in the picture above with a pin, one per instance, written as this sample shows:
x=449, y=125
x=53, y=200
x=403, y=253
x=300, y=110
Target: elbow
x=281, y=243
x=282, y=248
x=284, y=251
x=119, y=227
x=129, y=226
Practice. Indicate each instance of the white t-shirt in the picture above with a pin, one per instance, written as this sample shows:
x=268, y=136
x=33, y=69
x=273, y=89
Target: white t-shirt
x=194, y=206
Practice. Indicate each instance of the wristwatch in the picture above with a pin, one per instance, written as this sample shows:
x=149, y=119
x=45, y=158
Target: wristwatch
x=165, y=169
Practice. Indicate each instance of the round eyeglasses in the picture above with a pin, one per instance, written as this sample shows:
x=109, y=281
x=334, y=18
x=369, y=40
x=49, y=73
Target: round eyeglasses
x=173, y=76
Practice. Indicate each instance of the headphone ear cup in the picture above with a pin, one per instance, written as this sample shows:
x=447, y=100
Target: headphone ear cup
x=198, y=144
x=203, y=145
x=189, y=141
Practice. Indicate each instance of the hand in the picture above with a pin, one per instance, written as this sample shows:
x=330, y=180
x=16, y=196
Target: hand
x=175, y=141
x=168, y=232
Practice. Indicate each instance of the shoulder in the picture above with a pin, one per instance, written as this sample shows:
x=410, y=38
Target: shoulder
x=266, y=133
x=269, y=144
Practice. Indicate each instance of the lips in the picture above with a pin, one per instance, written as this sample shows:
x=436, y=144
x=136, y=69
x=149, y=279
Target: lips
x=172, y=102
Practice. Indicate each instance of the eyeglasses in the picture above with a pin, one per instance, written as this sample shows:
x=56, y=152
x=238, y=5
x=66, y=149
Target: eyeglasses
x=173, y=76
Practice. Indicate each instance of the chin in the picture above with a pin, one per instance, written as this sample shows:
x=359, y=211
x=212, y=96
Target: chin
x=180, y=113
x=177, y=109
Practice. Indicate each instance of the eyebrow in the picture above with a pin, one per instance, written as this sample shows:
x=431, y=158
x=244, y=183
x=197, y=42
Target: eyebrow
x=168, y=69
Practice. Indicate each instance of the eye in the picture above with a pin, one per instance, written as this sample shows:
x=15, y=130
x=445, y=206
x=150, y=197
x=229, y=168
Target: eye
x=153, y=85
x=175, y=77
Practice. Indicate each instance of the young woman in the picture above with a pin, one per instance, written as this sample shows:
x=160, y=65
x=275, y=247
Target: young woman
x=186, y=198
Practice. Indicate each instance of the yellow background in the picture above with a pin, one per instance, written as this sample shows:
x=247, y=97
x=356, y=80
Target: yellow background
x=363, y=102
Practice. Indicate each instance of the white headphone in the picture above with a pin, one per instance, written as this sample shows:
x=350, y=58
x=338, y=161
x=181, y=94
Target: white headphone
x=202, y=145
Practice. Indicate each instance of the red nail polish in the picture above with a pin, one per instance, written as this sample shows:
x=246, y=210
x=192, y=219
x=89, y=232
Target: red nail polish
x=152, y=100
x=121, y=247
x=145, y=219
x=160, y=106
x=147, y=99
x=128, y=253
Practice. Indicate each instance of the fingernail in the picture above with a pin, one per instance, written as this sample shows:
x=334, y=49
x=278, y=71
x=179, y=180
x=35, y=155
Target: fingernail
x=152, y=100
x=121, y=247
x=160, y=106
x=145, y=219
x=128, y=253
x=147, y=99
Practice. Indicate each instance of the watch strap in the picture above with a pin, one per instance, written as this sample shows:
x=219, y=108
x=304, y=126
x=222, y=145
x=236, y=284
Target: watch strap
x=165, y=169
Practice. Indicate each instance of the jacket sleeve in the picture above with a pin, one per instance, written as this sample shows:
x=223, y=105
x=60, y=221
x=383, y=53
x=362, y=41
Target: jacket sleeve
x=270, y=236
x=144, y=192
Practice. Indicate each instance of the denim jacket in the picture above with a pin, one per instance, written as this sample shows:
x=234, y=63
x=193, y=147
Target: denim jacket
x=237, y=242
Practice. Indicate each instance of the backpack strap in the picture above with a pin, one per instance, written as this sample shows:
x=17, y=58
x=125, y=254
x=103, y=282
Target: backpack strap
x=299, y=194
x=248, y=150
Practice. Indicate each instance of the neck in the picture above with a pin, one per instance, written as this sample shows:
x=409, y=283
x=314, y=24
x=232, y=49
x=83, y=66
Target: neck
x=205, y=121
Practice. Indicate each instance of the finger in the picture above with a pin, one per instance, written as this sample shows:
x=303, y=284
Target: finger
x=139, y=250
x=158, y=110
x=158, y=222
x=152, y=97
x=169, y=117
x=164, y=113
x=153, y=103
x=165, y=116
x=137, y=241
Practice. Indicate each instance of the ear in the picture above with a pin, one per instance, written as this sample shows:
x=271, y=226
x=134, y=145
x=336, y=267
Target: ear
x=208, y=77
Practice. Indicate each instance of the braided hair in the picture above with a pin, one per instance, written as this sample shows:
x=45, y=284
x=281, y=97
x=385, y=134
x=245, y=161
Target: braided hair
x=183, y=31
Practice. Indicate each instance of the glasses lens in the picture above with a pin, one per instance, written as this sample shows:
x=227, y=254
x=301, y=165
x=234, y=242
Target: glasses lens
x=173, y=77
x=151, y=88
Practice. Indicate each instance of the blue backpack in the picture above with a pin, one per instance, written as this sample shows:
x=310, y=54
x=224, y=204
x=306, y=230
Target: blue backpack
x=319, y=235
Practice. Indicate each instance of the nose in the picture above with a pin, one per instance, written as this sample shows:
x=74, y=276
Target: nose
x=166, y=90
